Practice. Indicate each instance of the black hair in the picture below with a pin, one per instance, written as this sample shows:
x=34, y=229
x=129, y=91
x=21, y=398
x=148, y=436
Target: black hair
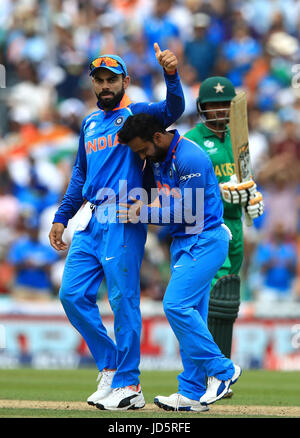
x=140, y=125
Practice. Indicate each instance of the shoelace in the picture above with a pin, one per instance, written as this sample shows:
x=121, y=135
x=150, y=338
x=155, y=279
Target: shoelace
x=177, y=402
x=125, y=388
x=209, y=380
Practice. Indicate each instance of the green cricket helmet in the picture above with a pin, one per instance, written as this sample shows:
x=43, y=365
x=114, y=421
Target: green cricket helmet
x=215, y=89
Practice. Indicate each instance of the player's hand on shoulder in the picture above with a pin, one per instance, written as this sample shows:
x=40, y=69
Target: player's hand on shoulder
x=237, y=193
x=166, y=59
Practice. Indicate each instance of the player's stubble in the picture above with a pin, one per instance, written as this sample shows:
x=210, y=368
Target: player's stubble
x=109, y=100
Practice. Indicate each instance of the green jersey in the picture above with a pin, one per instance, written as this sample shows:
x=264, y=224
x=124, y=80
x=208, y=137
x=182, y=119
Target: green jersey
x=221, y=155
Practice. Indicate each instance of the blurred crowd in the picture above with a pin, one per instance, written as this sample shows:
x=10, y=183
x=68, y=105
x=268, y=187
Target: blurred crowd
x=46, y=48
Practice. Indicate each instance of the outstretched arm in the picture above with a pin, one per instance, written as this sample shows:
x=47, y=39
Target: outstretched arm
x=170, y=109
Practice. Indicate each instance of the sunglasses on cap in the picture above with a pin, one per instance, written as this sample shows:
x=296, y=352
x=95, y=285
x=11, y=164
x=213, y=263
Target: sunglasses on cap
x=106, y=62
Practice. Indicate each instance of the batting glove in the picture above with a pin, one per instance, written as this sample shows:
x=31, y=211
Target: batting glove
x=255, y=206
x=238, y=193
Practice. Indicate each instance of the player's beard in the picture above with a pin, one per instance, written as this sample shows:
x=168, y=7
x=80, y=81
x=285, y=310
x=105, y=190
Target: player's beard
x=159, y=154
x=109, y=103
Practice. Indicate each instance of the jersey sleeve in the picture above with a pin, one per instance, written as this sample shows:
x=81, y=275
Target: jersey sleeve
x=168, y=110
x=73, y=199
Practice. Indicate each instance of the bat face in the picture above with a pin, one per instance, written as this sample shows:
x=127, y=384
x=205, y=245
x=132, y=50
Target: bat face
x=245, y=163
x=238, y=125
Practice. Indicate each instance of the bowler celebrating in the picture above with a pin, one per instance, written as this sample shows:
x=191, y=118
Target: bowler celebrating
x=213, y=136
x=103, y=174
x=184, y=174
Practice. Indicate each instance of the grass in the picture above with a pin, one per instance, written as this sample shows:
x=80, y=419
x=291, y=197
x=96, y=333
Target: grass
x=255, y=387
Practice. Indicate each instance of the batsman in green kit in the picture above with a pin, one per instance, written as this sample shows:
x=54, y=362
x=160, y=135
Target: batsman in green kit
x=213, y=135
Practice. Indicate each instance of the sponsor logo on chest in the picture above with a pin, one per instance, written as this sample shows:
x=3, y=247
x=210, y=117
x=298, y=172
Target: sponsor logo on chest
x=210, y=146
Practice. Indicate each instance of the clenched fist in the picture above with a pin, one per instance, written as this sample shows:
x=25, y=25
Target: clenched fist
x=166, y=59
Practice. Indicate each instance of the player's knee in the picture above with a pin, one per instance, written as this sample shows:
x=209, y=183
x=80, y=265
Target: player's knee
x=115, y=301
x=63, y=295
x=68, y=297
x=171, y=308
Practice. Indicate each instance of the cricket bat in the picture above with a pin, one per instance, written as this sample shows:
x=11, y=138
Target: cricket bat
x=238, y=125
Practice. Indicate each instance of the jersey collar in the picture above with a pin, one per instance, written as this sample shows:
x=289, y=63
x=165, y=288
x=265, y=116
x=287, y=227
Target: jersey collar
x=174, y=143
x=124, y=102
x=206, y=132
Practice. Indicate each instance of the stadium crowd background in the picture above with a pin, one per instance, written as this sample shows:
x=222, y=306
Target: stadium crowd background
x=46, y=48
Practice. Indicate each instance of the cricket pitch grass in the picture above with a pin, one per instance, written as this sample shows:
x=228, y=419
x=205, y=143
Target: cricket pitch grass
x=30, y=393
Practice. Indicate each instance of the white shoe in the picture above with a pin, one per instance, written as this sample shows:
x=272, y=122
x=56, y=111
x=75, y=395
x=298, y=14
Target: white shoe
x=229, y=394
x=104, y=387
x=216, y=389
x=122, y=399
x=178, y=402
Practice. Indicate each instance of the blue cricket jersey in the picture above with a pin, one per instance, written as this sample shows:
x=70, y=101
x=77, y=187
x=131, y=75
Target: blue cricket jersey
x=103, y=167
x=188, y=191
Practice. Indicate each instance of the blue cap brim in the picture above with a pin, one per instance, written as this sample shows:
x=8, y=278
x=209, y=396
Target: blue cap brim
x=117, y=70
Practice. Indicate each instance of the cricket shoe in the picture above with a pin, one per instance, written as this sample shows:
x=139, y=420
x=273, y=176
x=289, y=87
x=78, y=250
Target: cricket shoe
x=123, y=399
x=229, y=394
x=216, y=389
x=178, y=402
x=104, y=387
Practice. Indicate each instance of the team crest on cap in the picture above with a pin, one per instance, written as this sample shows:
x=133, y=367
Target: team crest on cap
x=219, y=88
x=119, y=121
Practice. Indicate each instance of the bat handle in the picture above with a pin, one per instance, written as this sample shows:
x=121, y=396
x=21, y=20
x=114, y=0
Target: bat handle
x=248, y=220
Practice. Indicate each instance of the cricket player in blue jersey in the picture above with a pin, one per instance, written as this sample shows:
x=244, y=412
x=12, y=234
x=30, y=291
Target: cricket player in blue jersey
x=184, y=175
x=103, y=174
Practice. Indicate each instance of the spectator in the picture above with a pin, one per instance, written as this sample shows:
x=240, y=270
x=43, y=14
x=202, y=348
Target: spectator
x=239, y=53
x=140, y=68
x=288, y=140
x=35, y=194
x=200, y=52
x=279, y=182
x=32, y=261
x=29, y=94
x=277, y=260
x=258, y=141
x=158, y=27
x=261, y=14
